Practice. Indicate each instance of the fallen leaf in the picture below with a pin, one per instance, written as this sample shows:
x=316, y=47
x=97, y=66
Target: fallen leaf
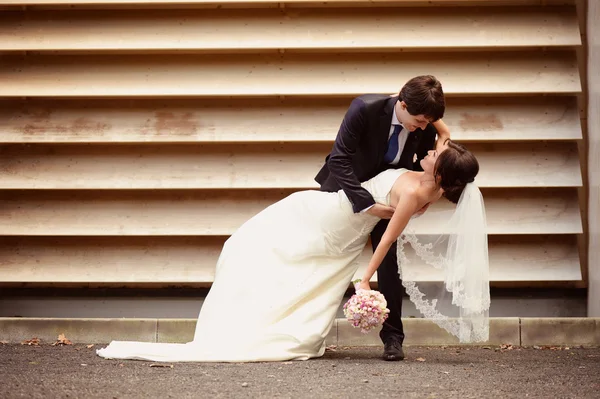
x=331, y=348
x=446, y=372
x=4, y=342
x=62, y=340
x=83, y=364
x=420, y=359
x=31, y=342
x=161, y=365
x=34, y=363
x=89, y=346
x=487, y=347
x=537, y=347
x=507, y=347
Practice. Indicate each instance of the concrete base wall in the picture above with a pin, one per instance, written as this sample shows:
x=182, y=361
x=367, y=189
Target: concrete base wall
x=513, y=330
x=189, y=307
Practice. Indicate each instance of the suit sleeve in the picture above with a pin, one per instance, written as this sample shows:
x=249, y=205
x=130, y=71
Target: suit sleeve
x=346, y=144
x=426, y=144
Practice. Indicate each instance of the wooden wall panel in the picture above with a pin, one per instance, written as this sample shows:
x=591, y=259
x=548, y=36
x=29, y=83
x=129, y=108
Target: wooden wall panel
x=218, y=212
x=481, y=119
x=137, y=135
x=219, y=166
x=273, y=3
x=309, y=29
x=191, y=260
x=495, y=73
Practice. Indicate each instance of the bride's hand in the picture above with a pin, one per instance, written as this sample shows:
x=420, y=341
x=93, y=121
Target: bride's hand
x=363, y=285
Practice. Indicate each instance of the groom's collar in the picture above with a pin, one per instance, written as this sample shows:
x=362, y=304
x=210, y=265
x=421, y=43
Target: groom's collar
x=395, y=120
x=389, y=106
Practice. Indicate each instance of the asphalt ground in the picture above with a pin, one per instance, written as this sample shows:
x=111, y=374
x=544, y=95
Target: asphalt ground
x=75, y=371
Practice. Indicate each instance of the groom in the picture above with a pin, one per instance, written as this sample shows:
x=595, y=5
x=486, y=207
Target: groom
x=380, y=132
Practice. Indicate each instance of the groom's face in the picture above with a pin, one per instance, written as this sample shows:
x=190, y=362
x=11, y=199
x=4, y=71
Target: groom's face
x=410, y=122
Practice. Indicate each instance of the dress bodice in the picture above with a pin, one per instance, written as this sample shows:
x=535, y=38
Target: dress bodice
x=380, y=186
x=352, y=229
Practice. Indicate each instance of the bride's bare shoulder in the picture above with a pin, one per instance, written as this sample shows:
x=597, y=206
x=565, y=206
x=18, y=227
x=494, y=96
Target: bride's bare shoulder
x=406, y=184
x=406, y=191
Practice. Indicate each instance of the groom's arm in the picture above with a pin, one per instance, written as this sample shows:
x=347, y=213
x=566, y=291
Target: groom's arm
x=344, y=149
x=426, y=144
x=429, y=142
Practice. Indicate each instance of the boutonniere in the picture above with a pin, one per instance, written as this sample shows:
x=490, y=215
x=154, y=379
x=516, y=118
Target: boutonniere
x=415, y=158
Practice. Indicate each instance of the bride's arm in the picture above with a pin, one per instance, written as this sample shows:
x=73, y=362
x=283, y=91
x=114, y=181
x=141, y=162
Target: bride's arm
x=407, y=206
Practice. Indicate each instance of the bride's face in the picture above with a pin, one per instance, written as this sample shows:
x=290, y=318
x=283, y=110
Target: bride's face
x=428, y=163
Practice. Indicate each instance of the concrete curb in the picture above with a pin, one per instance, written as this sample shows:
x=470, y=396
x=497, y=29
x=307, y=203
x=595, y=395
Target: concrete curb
x=510, y=330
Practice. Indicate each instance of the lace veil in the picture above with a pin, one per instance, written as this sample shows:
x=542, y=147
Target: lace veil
x=445, y=266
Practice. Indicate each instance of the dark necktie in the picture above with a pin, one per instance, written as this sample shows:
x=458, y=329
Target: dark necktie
x=392, y=148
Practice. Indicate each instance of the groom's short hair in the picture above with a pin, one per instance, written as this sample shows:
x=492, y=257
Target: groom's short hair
x=423, y=95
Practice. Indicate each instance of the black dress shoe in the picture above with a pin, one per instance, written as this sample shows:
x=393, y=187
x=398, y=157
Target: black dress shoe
x=392, y=350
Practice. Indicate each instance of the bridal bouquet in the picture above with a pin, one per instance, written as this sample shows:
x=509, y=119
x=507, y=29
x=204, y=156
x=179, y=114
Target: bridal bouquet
x=366, y=309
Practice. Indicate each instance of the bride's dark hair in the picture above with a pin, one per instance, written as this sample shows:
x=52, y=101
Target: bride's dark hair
x=455, y=167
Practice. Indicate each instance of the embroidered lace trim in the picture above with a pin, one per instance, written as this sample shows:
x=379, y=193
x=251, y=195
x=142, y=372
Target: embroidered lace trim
x=472, y=325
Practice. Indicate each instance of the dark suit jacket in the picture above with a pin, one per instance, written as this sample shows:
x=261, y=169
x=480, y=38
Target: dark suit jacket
x=360, y=145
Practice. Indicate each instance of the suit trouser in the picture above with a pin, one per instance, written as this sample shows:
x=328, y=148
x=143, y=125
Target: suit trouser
x=390, y=286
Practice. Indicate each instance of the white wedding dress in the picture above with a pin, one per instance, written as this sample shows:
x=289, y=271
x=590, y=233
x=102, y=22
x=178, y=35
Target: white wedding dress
x=279, y=282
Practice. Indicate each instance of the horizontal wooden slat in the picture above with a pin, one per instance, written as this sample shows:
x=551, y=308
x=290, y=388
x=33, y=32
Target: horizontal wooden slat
x=191, y=260
x=263, y=120
x=287, y=3
x=230, y=30
x=520, y=258
x=249, y=3
x=294, y=165
x=498, y=73
x=151, y=213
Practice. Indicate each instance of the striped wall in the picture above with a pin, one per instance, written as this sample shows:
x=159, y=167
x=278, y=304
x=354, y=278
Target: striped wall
x=137, y=135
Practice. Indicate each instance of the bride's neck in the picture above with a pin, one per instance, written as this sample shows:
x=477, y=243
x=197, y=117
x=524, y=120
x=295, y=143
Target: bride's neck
x=425, y=179
x=428, y=183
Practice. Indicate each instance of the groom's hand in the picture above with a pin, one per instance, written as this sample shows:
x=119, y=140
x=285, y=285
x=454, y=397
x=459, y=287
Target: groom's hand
x=381, y=211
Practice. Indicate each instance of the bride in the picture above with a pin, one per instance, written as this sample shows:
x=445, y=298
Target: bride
x=281, y=276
